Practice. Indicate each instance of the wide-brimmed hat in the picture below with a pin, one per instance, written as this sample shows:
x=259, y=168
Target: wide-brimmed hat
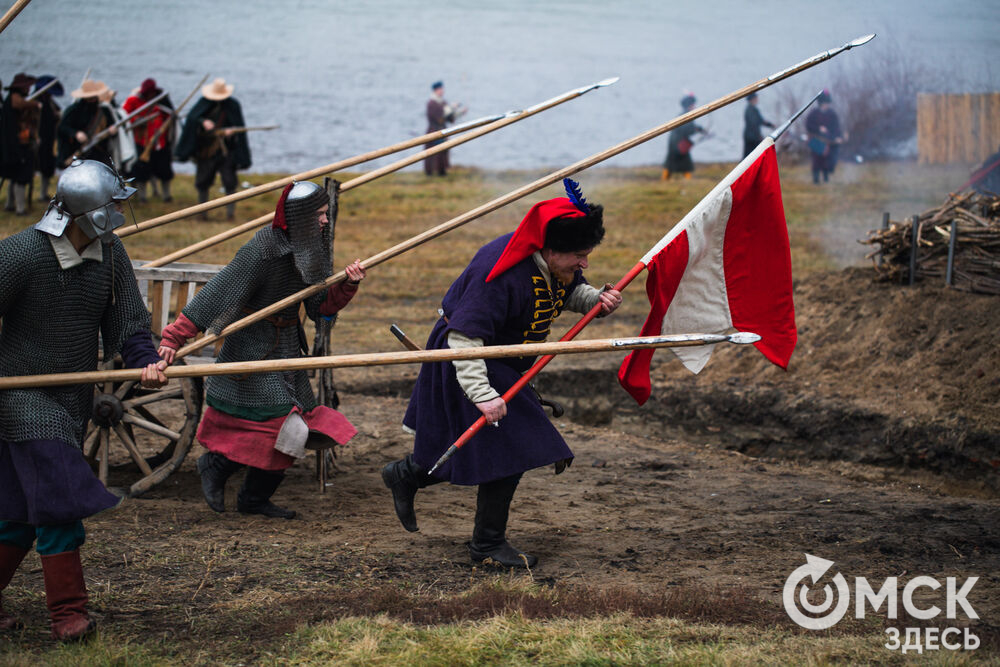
x=107, y=95
x=89, y=88
x=22, y=82
x=44, y=80
x=217, y=91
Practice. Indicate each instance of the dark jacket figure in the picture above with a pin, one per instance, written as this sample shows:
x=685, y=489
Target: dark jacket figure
x=752, y=122
x=510, y=293
x=680, y=143
x=47, y=126
x=156, y=166
x=440, y=115
x=204, y=139
x=85, y=118
x=825, y=138
x=19, y=141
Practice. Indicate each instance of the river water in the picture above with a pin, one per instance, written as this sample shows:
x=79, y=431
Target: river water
x=346, y=77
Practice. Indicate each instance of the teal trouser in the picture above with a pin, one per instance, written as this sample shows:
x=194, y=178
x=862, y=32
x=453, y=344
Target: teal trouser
x=54, y=539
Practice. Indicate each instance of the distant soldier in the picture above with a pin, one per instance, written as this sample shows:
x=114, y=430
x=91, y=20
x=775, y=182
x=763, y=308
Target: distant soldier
x=752, y=122
x=19, y=141
x=680, y=143
x=215, y=148
x=48, y=123
x=65, y=284
x=440, y=115
x=157, y=167
x=825, y=138
x=82, y=120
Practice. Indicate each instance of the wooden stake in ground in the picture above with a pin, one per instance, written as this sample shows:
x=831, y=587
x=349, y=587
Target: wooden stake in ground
x=523, y=191
x=14, y=10
x=382, y=359
x=512, y=117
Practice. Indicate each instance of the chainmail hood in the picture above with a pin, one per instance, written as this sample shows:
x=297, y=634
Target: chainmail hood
x=297, y=215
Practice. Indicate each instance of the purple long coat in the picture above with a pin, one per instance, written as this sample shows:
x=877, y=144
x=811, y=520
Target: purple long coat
x=516, y=307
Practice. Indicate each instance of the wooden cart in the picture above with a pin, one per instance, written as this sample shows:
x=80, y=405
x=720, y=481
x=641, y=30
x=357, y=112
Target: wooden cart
x=138, y=437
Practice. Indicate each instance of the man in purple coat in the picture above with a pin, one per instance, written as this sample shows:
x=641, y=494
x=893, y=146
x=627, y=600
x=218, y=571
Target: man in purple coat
x=510, y=293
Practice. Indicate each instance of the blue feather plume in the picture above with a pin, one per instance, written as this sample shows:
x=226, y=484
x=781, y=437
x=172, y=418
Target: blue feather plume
x=575, y=195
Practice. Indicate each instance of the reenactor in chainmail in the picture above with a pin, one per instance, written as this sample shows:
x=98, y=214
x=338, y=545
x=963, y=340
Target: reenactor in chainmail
x=265, y=420
x=62, y=282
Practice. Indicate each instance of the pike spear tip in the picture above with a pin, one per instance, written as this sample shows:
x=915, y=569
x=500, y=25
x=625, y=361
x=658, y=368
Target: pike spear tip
x=607, y=82
x=743, y=337
x=861, y=40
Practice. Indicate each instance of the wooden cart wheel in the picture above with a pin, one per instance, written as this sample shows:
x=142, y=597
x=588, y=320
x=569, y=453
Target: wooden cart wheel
x=142, y=432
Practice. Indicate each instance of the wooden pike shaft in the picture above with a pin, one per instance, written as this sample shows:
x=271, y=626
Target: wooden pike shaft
x=371, y=176
x=282, y=182
x=376, y=359
x=252, y=128
x=523, y=191
x=14, y=10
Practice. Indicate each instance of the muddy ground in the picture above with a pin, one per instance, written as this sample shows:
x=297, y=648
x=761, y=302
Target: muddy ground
x=878, y=450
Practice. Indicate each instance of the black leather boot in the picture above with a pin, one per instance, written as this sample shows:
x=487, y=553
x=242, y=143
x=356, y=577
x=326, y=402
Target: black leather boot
x=255, y=496
x=404, y=478
x=215, y=469
x=489, y=538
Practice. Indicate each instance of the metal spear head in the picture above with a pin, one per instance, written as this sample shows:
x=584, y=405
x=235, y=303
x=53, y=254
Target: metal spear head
x=780, y=130
x=859, y=41
x=575, y=92
x=743, y=337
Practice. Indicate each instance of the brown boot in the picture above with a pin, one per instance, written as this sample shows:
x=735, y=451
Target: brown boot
x=10, y=559
x=665, y=175
x=66, y=596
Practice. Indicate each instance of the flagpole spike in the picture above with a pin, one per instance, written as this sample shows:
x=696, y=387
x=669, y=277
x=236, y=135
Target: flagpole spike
x=778, y=131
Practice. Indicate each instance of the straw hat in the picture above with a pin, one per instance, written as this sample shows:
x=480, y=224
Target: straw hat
x=107, y=95
x=217, y=91
x=89, y=88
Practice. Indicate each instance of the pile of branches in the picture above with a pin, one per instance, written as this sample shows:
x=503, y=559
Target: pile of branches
x=975, y=218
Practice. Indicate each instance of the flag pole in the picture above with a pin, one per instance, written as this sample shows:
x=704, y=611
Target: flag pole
x=510, y=117
x=525, y=190
x=382, y=359
x=626, y=280
x=475, y=128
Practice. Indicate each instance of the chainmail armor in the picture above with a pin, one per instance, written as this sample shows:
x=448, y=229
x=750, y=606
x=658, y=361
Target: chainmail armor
x=51, y=320
x=310, y=243
x=262, y=272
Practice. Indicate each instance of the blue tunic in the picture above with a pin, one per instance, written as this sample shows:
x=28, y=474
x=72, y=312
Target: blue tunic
x=516, y=307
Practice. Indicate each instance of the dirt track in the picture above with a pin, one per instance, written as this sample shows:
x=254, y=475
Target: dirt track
x=724, y=480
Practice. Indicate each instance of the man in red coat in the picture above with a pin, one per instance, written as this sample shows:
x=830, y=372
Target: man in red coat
x=156, y=166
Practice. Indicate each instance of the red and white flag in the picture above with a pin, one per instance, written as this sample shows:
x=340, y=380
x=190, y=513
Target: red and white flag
x=726, y=266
